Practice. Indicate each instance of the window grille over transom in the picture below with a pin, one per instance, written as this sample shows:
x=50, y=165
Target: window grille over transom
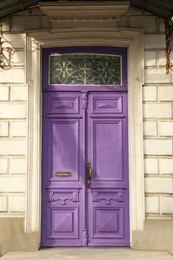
x=85, y=69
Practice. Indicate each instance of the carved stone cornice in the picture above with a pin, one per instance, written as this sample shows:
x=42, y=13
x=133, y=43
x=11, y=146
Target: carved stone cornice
x=84, y=11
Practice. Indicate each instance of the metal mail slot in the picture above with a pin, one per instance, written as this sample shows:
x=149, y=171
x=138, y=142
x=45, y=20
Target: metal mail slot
x=63, y=174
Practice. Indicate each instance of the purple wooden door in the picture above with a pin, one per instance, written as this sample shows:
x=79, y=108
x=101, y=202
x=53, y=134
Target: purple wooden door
x=85, y=169
x=107, y=151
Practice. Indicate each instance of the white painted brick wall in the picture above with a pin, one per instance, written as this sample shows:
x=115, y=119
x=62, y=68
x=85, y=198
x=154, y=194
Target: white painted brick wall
x=161, y=58
x=19, y=93
x=150, y=128
x=149, y=93
x=156, y=75
x=4, y=93
x=158, y=125
x=17, y=57
x=13, y=40
x=151, y=165
x=3, y=203
x=151, y=204
x=18, y=129
x=166, y=128
x=12, y=184
x=12, y=147
x=161, y=110
x=166, y=166
x=166, y=205
x=166, y=93
x=13, y=125
x=3, y=165
x=158, y=147
x=18, y=166
x=4, y=131
x=154, y=41
x=16, y=75
x=16, y=203
x=12, y=110
x=158, y=185
x=150, y=58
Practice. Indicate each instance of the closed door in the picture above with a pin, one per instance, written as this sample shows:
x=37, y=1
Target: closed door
x=85, y=170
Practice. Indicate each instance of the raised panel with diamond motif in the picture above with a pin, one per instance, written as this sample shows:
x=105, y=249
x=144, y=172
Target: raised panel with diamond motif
x=64, y=222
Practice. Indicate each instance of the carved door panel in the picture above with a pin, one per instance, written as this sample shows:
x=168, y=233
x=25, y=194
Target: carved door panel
x=108, y=214
x=81, y=127
x=63, y=171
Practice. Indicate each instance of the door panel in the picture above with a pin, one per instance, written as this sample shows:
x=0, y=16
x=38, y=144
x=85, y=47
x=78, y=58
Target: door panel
x=105, y=149
x=62, y=103
x=64, y=149
x=81, y=127
x=106, y=103
x=63, y=191
x=107, y=146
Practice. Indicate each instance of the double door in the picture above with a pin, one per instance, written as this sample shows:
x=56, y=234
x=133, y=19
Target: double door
x=85, y=169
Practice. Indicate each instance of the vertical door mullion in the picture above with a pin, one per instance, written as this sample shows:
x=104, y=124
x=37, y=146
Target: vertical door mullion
x=85, y=122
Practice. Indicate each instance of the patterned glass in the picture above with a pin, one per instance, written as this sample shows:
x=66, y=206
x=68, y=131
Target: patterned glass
x=85, y=69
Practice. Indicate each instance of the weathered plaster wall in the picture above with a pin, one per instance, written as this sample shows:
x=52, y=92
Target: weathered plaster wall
x=157, y=115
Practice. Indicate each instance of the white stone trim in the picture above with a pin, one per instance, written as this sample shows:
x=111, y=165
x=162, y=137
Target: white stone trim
x=84, y=11
x=133, y=40
x=12, y=215
x=33, y=190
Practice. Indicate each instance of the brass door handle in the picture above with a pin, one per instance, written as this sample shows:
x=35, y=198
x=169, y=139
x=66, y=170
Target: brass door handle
x=88, y=174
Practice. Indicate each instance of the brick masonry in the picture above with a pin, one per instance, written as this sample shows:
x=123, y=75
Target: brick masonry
x=157, y=113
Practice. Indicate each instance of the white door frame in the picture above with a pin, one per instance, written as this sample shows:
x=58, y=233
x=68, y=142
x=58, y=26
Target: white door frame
x=123, y=37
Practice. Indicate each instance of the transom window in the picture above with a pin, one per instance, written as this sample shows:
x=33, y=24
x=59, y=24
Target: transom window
x=85, y=69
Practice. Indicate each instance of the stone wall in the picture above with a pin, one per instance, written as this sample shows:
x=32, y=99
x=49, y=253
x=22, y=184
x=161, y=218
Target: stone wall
x=14, y=111
x=13, y=130
x=157, y=115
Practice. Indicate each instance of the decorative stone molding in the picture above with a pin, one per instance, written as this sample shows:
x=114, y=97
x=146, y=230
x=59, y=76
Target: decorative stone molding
x=91, y=10
x=122, y=37
x=33, y=190
x=82, y=15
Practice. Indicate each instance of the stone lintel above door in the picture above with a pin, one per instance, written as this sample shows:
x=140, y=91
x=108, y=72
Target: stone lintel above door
x=82, y=14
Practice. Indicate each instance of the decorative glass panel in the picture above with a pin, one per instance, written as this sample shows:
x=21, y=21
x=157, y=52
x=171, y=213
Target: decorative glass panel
x=85, y=69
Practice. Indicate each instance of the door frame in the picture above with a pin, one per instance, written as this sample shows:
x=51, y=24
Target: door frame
x=125, y=37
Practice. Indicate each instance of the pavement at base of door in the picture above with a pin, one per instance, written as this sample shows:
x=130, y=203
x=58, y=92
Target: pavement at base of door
x=87, y=254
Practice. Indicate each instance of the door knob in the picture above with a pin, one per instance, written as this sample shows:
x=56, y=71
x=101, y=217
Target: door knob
x=88, y=174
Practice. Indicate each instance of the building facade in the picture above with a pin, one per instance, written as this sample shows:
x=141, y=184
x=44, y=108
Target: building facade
x=107, y=28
